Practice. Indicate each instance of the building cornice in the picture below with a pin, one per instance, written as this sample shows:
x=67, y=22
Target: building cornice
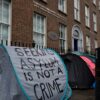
x=49, y=11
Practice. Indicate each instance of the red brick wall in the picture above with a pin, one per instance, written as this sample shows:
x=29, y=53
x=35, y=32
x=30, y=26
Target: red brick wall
x=51, y=19
x=22, y=21
x=86, y=31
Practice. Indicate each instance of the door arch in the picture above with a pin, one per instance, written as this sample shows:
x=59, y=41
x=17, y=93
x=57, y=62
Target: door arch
x=77, y=39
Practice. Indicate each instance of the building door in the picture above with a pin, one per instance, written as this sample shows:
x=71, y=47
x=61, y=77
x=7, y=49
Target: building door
x=77, y=39
x=75, y=44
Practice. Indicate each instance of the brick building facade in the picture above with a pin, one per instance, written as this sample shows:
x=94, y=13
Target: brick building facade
x=58, y=24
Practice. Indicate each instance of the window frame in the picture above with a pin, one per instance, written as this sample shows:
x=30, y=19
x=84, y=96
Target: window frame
x=87, y=16
x=37, y=33
x=62, y=38
x=5, y=41
x=64, y=9
x=94, y=2
x=88, y=43
x=77, y=10
x=99, y=5
x=96, y=43
x=94, y=21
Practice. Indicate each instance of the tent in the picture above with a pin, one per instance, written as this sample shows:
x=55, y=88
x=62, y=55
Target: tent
x=79, y=75
x=91, y=57
x=31, y=74
x=90, y=64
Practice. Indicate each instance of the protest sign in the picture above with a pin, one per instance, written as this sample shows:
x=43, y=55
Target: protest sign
x=40, y=73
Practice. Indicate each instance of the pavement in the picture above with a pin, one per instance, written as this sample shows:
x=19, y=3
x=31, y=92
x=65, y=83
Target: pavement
x=86, y=94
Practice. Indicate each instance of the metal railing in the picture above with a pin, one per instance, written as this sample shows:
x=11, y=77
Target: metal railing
x=28, y=44
x=4, y=42
x=16, y=43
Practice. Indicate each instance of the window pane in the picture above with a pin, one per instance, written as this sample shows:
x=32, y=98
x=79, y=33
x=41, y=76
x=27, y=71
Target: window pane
x=88, y=43
x=0, y=33
x=62, y=5
x=62, y=29
x=95, y=27
x=59, y=4
x=0, y=11
x=77, y=9
x=34, y=22
x=87, y=16
x=4, y=18
x=95, y=22
x=94, y=1
x=38, y=23
x=42, y=24
x=35, y=37
x=99, y=5
x=78, y=4
x=75, y=13
x=86, y=11
x=5, y=12
x=75, y=3
x=5, y=32
x=38, y=38
x=96, y=45
x=38, y=26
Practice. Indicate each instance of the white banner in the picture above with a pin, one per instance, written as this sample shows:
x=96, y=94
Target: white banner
x=41, y=73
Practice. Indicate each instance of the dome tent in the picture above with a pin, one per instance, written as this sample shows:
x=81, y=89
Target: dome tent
x=91, y=57
x=90, y=64
x=79, y=75
x=27, y=77
x=9, y=88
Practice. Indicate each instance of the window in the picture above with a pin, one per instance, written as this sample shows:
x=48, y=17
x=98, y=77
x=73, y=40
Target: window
x=95, y=22
x=4, y=20
x=62, y=5
x=62, y=30
x=99, y=4
x=94, y=2
x=95, y=43
x=87, y=16
x=88, y=46
x=77, y=10
x=39, y=30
